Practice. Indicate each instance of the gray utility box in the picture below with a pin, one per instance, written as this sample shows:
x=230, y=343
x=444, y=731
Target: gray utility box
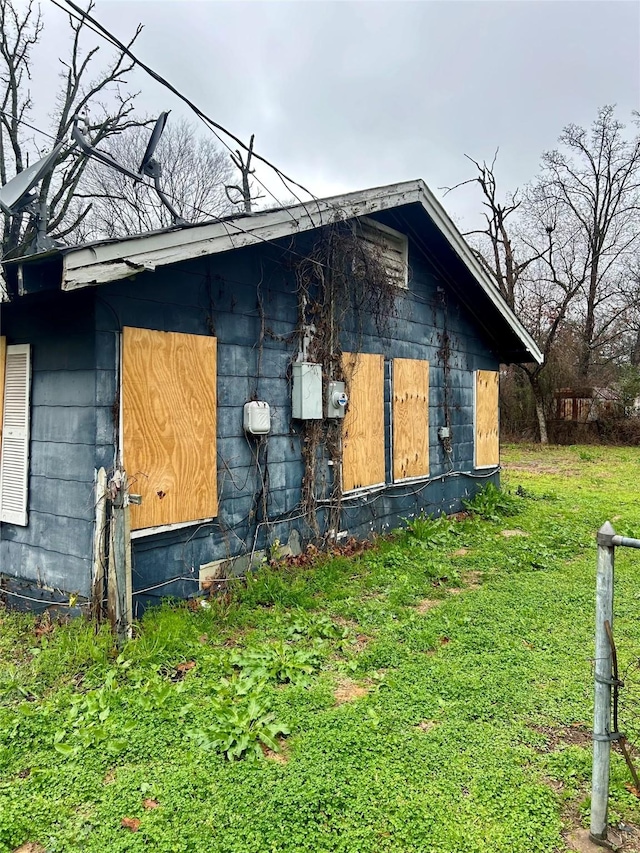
x=336, y=399
x=306, y=395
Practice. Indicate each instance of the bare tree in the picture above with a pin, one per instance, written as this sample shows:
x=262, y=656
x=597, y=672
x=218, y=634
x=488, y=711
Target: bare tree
x=559, y=251
x=194, y=174
x=498, y=245
x=589, y=190
x=245, y=195
x=523, y=264
x=83, y=85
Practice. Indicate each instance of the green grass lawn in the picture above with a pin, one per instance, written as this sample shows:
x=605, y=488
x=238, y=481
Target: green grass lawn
x=431, y=694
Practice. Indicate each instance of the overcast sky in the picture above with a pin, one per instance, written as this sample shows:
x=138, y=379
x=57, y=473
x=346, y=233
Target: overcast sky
x=347, y=95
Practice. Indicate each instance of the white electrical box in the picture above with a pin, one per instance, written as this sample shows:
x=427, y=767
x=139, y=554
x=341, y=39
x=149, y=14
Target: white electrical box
x=336, y=399
x=306, y=393
x=257, y=418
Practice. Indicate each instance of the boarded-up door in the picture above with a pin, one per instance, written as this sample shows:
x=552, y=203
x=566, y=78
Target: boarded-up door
x=169, y=425
x=487, y=435
x=410, y=418
x=363, y=426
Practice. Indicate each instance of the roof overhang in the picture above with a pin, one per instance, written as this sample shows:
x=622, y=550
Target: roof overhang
x=110, y=260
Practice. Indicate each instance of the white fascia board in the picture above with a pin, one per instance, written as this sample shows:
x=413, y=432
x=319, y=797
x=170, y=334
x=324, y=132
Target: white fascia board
x=103, y=262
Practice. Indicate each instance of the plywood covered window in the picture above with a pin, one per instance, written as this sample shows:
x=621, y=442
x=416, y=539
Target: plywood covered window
x=410, y=418
x=363, y=426
x=487, y=430
x=169, y=426
x=15, y=391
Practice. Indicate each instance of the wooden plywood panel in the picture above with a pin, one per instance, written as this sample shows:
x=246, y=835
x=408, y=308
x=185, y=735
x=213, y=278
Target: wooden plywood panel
x=169, y=425
x=410, y=418
x=3, y=361
x=363, y=425
x=487, y=438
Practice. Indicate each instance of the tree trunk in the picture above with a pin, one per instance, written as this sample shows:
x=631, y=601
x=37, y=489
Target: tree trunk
x=540, y=413
x=542, y=422
x=635, y=352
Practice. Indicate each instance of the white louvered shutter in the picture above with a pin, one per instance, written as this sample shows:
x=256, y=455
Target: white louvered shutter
x=391, y=247
x=14, y=453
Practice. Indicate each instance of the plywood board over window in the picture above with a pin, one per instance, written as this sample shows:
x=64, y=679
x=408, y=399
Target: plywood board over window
x=410, y=418
x=487, y=431
x=363, y=426
x=169, y=425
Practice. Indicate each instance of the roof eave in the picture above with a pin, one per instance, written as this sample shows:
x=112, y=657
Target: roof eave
x=102, y=262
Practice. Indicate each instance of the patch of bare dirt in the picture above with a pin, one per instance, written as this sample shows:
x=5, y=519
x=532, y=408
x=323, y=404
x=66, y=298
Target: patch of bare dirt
x=427, y=604
x=539, y=467
x=460, y=552
x=360, y=643
x=555, y=785
x=426, y=725
x=351, y=624
x=30, y=847
x=472, y=579
x=348, y=691
x=577, y=734
x=624, y=837
x=281, y=756
x=515, y=532
x=110, y=777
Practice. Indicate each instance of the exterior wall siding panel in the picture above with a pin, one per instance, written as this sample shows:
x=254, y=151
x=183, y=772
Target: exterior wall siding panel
x=75, y=415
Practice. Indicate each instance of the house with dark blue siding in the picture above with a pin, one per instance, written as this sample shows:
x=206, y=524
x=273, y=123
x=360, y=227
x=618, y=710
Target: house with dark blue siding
x=304, y=374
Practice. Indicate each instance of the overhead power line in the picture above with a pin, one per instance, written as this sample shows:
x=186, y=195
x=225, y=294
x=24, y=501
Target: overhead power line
x=226, y=222
x=30, y=126
x=104, y=33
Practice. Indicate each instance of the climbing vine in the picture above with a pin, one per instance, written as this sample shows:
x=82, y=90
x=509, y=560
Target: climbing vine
x=343, y=287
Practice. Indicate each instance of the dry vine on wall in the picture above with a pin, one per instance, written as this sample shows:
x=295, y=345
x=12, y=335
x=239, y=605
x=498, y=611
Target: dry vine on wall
x=343, y=289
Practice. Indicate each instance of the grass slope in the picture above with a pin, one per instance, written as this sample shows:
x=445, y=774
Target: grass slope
x=436, y=690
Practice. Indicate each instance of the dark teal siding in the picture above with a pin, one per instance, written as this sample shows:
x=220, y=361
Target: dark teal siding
x=55, y=549
x=75, y=410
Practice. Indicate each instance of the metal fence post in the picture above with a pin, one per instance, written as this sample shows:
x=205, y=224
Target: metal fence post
x=602, y=704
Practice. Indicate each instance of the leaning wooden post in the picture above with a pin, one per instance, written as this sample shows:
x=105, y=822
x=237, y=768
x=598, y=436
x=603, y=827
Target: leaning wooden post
x=99, y=547
x=602, y=705
x=119, y=598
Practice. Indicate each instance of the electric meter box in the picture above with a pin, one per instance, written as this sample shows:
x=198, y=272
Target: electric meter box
x=257, y=418
x=306, y=392
x=336, y=399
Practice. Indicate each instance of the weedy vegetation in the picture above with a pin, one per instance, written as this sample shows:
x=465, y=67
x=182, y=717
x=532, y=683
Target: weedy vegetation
x=432, y=693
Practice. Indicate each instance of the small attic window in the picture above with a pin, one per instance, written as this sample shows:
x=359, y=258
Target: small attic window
x=391, y=246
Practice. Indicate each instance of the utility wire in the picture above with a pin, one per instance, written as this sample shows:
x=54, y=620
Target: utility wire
x=104, y=33
x=30, y=126
x=225, y=222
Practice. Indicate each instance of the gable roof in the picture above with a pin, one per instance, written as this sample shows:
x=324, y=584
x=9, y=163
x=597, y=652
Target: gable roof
x=109, y=260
